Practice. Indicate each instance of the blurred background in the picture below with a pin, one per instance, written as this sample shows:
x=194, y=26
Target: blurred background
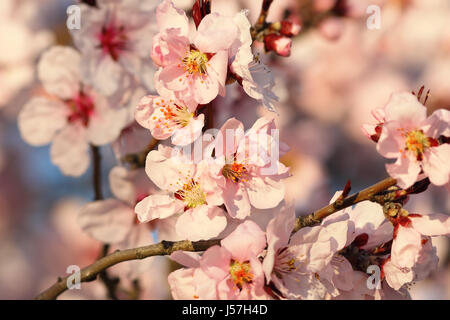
x=336, y=74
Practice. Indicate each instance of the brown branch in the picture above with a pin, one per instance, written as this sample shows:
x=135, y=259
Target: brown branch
x=367, y=194
x=111, y=284
x=90, y=272
x=261, y=23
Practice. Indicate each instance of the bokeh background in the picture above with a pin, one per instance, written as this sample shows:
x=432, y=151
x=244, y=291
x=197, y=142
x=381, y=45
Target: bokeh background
x=327, y=88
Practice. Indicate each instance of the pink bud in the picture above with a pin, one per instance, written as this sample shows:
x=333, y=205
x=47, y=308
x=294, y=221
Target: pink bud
x=279, y=44
x=290, y=28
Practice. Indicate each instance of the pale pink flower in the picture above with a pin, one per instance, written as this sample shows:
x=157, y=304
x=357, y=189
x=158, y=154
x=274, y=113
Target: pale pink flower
x=194, y=69
x=228, y=272
x=114, y=42
x=306, y=265
x=71, y=116
x=412, y=255
x=254, y=77
x=191, y=192
x=25, y=42
x=249, y=167
x=170, y=118
x=411, y=138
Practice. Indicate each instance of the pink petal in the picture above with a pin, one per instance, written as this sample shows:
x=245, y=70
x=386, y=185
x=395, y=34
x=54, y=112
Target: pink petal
x=144, y=110
x=436, y=164
x=391, y=141
x=190, y=133
x=215, y=263
x=109, y=221
x=185, y=258
x=157, y=206
x=405, y=170
x=215, y=33
x=40, y=119
x=406, y=247
x=245, y=241
x=168, y=16
x=59, y=71
x=406, y=109
x=264, y=192
x=236, y=200
x=201, y=223
x=70, y=151
x=432, y=224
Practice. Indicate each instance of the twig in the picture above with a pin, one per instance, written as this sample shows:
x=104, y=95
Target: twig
x=364, y=195
x=111, y=284
x=90, y=272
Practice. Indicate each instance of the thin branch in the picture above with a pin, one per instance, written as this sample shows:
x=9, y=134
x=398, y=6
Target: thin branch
x=90, y=272
x=367, y=194
x=111, y=284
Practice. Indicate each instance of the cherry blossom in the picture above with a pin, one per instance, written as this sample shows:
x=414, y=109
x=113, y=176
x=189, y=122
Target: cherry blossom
x=113, y=41
x=412, y=255
x=412, y=138
x=249, y=168
x=230, y=271
x=196, y=69
x=71, y=115
x=191, y=192
x=167, y=117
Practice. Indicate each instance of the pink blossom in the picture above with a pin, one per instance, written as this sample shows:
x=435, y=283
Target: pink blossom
x=228, y=272
x=114, y=43
x=254, y=77
x=412, y=255
x=250, y=172
x=191, y=192
x=411, y=138
x=71, y=116
x=170, y=118
x=306, y=265
x=196, y=70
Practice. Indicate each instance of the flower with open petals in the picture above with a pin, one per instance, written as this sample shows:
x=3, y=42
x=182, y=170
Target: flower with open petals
x=170, y=118
x=71, y=115
x=196, y=70
x=250, y=167
x=191, y=193
x=412, y=138
x=230, y=271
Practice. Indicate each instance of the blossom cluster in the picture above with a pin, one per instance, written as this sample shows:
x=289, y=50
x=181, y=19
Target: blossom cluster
x=143, y=74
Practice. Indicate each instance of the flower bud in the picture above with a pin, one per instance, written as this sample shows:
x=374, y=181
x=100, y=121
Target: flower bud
x=290, y=28
x=279, y=44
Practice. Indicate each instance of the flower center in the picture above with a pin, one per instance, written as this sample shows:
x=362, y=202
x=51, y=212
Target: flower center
x=81, y=107
x=417, y=141
x=113, y=40
x=191, y=194
x=241, y=273
x=235, y=172
x=173, y=114
x=195, y=62
x=285, y=263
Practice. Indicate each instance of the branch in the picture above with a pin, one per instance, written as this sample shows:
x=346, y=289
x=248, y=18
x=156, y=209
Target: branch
x=367, y=194
x=90, y=272
x=111, y=284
